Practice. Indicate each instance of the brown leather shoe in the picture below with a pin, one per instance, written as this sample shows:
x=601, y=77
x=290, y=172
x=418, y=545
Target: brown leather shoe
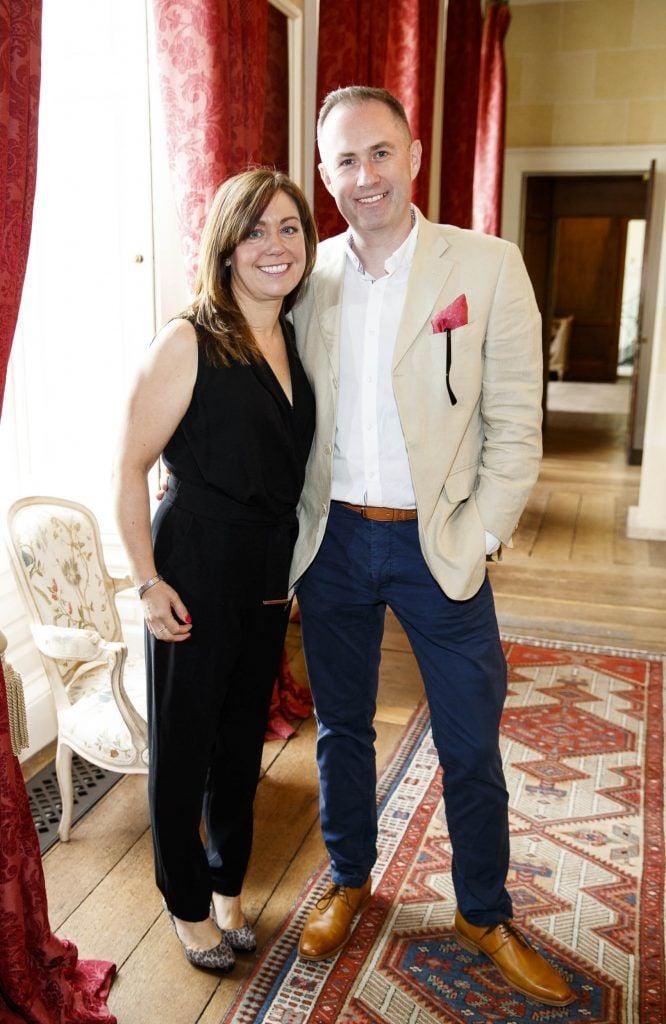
x=521, y=966
x=329, y=922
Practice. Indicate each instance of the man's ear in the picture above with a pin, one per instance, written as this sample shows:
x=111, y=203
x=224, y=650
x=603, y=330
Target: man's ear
x=326, y=178
x=415, y=153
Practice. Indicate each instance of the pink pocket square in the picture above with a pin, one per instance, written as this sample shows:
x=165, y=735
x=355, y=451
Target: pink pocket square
x=455, y=315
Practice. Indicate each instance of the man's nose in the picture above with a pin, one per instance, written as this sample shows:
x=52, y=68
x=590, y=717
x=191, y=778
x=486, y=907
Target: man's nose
x=367, y=173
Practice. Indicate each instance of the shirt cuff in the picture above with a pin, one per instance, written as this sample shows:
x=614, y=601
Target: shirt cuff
x=492, y=543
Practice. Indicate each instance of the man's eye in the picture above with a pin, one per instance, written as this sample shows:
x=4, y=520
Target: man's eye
x=381, y=153
x=347, y=162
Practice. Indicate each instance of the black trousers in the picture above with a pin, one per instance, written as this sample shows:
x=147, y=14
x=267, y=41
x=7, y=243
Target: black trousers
x=208, y=702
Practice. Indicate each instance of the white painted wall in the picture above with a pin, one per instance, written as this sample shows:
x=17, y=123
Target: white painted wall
x=647, y=520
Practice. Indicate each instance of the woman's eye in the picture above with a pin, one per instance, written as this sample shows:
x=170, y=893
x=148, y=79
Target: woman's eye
x=290, y=229
x=255, y=233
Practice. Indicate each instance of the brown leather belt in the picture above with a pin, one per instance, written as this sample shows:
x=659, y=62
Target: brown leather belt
x=382, y=515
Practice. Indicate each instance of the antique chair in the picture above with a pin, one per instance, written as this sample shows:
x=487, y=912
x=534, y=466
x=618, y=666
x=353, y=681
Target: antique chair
x=558, y=362
x=56, y=555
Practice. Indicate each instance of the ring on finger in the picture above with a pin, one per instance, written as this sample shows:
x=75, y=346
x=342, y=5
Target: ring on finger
x=161, y=630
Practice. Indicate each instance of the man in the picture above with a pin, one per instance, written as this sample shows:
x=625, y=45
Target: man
x=423, y=345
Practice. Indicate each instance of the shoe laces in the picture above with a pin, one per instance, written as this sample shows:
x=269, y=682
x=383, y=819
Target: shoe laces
x=508, y=930
x=333, y=892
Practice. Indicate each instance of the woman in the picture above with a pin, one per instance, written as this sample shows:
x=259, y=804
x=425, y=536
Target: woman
x=224, y=397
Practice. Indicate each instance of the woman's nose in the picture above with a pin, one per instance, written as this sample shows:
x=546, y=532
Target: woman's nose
x=275, y=241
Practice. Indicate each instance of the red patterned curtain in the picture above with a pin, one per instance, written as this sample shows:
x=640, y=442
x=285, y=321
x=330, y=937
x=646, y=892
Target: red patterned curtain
x=461, y=95
x=393, y=46
x=209, y=53
x=489, y=157
x=276, y=112
x=41, y=979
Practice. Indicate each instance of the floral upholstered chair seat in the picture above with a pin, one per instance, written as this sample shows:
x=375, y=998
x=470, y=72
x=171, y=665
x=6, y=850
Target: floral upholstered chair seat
x=100, y=699
x=94, y=722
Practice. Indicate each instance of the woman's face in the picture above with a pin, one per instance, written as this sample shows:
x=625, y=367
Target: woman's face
x=270, y=262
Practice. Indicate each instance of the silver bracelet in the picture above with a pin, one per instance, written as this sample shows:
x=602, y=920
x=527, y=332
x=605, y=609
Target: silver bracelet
x=150, y=583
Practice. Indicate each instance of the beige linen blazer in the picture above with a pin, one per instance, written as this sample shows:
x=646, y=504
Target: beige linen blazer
x=473, y=464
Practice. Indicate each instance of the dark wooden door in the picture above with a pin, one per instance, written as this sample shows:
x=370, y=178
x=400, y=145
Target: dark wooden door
x=587, y=284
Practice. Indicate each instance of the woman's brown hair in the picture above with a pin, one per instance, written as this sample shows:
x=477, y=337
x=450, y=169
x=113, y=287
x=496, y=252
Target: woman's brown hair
x=237, y=206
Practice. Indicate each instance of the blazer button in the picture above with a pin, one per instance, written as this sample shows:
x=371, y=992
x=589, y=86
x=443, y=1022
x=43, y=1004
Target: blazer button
x=327, y=449
x=324, y=510
x=334, y=382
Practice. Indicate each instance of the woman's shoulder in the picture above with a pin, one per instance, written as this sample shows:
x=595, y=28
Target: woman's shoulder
x=178, y=336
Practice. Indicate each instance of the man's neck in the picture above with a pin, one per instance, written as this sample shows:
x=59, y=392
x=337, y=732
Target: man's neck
x=375, y=248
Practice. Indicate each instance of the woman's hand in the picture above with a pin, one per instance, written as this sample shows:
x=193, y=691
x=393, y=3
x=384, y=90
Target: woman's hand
x=161, y=604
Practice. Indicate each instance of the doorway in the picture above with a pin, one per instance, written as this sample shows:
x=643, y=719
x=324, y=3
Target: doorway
x=583, y=246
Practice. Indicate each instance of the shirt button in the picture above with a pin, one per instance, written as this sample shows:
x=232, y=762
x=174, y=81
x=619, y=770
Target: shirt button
x=369, y=380
x=368, y=426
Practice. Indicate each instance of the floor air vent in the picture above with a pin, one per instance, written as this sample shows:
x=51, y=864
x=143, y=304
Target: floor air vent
x=90, y=784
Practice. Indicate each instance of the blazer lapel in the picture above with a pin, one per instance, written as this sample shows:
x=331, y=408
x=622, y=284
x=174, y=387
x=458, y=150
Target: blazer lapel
x=429, y=271
x=328, y=280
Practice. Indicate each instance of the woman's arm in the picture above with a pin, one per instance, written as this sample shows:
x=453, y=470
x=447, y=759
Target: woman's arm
x=158, y=401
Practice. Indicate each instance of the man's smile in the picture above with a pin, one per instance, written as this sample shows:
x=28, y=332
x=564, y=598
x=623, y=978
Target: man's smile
x=369, y=200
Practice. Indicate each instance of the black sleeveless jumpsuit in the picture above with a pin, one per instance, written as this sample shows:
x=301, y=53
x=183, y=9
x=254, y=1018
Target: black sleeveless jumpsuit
x=223, y=538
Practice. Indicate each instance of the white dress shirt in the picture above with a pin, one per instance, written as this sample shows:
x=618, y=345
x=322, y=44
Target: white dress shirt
x=370, y=461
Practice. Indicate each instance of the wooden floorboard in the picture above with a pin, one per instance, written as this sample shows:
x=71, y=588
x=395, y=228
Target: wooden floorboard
x=572, y=574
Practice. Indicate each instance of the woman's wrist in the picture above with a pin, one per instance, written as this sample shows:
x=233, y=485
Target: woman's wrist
x=143, y=587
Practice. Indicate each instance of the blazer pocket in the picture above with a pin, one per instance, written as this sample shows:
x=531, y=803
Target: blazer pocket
x=460, y=484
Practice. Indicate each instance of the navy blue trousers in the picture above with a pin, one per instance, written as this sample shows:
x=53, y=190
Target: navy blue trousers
x=361, y=567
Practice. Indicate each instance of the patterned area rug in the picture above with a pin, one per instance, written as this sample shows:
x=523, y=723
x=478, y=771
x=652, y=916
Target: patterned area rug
x=583, y=746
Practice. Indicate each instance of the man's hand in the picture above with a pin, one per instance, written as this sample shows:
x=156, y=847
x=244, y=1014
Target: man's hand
x=164, y=482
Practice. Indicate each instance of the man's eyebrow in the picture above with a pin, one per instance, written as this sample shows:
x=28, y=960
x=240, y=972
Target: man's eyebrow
x=369, y=149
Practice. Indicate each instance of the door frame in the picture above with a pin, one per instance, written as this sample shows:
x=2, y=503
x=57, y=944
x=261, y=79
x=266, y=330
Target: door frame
x=520, y=163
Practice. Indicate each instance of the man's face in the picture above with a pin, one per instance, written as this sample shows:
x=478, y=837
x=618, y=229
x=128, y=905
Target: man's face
x=368, y=165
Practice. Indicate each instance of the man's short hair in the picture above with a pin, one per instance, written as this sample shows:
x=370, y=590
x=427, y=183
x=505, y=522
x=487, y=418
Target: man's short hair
x=353, y=95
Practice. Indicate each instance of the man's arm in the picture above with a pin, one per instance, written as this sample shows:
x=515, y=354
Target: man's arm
x=511, y=400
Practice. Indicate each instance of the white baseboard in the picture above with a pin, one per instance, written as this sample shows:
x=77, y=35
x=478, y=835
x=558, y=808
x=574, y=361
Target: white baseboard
x=638, y=528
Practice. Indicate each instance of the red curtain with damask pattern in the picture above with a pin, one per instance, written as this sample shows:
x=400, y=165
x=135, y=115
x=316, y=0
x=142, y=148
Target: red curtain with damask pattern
x=489, y=155
x=41, y=978
x=275, y=148
x=212, y=60
x=392, y=46
x=461, y=96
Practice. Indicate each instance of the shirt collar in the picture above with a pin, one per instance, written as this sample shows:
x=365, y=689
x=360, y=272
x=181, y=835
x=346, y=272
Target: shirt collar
x=402, y=256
